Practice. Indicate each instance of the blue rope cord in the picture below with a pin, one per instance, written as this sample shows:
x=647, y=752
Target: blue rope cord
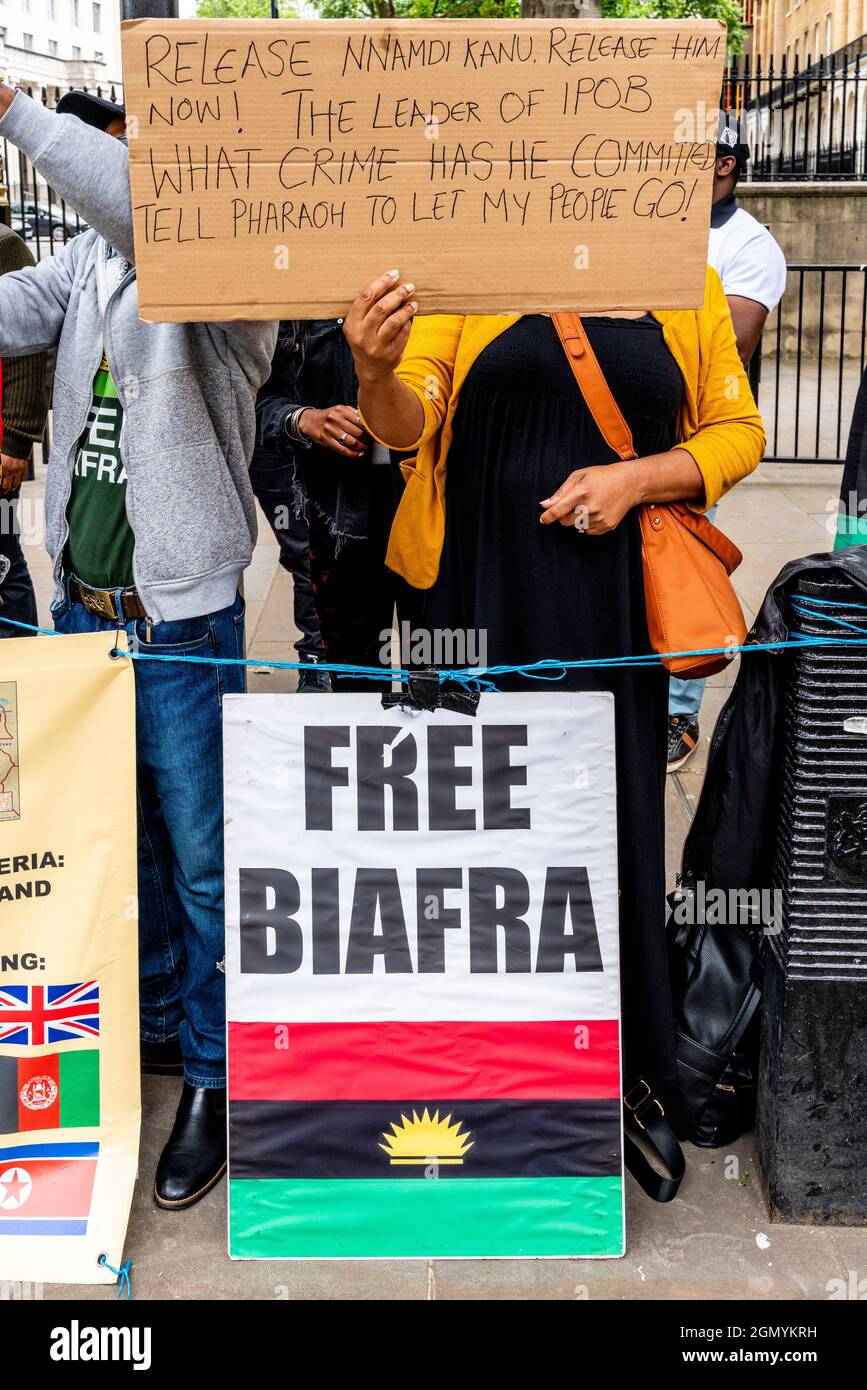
x=548, y=669
x=123, y=1275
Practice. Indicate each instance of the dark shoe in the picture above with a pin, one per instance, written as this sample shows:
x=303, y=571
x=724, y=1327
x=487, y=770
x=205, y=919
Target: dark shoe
x=312, y=681
x=194, y=1159
x=682, y=740
x=162, y=1058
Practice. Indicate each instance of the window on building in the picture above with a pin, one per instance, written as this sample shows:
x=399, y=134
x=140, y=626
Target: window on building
x=73, y=12
x=50, y=8
x=28, y=40
x=76, y=52
x=817, y=52
x=828, y=35
x=25, y=5
x=97, y=18
x=99, y=57
x=52, y=48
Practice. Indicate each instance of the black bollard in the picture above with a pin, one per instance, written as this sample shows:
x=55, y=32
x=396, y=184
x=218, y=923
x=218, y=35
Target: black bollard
x=811, y=1126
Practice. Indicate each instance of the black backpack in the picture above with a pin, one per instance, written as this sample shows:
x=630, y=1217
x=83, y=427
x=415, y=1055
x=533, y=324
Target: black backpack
x=716, y=985
x=716, y=994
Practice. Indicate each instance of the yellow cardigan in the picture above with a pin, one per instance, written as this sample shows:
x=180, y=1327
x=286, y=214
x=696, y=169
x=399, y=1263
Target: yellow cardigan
x=719, y=422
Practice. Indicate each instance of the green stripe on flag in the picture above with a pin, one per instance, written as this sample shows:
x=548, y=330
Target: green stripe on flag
x=424, y=1217
x=79, y=1088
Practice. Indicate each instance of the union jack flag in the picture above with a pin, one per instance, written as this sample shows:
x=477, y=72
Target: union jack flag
x=31, y=1015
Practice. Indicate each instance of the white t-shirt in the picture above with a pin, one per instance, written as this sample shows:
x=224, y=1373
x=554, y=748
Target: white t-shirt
x=747, y=259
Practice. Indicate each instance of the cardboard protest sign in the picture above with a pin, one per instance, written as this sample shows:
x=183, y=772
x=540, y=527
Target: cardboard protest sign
x=423, y=980
x=504, y=166
x=69, y=1074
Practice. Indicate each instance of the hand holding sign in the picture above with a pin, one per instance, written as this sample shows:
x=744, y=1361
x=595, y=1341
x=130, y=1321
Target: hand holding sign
x=377, y=326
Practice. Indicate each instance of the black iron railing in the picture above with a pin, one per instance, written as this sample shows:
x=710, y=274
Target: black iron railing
x=803, y=120
x=809, y=366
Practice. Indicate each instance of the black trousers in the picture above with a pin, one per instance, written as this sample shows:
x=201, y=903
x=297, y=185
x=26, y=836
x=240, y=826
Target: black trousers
x=355, y=593
x=271, y=477
x=17, y=599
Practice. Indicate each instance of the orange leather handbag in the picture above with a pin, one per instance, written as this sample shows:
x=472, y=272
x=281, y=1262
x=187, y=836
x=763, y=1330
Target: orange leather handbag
x=691, y=603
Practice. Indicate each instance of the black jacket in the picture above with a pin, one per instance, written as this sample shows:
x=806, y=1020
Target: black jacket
x=731, y=841
x=316, y=369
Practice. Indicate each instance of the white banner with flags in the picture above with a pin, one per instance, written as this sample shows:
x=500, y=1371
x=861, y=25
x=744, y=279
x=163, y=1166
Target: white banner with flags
x=69, y=1075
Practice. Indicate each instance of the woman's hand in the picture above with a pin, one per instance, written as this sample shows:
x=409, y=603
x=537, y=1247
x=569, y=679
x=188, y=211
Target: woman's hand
x=594, y=500
x=336, y=428
x=377, y=327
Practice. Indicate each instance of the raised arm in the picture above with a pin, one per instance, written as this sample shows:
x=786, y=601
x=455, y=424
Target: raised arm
x=87, y=168
x=377, y=330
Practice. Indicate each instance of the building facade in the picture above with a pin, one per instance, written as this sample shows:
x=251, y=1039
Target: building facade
x=804, y=31
x=58, y=44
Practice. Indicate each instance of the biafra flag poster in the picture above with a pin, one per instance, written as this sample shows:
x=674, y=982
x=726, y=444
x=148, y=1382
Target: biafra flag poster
x=422, y=974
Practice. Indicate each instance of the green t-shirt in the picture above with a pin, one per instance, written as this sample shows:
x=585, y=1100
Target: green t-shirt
x=100, y=545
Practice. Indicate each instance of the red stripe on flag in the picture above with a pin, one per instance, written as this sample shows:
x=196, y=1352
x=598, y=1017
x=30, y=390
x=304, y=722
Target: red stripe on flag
x=552, y=1060
x=39, y=1092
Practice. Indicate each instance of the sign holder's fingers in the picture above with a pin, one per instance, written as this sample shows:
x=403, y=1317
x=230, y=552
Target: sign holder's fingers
x=398, y=321
x=388, y=305
x=373, y=292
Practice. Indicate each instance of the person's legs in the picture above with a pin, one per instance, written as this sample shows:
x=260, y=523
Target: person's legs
x=160, y=932
x=162, y=955
x=685, y=697
x=272, y=478
x=17, y=599
x=354, y=592
x=180, y=744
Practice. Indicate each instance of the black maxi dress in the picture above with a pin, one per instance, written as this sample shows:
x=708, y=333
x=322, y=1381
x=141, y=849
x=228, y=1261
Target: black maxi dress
x=521, y=427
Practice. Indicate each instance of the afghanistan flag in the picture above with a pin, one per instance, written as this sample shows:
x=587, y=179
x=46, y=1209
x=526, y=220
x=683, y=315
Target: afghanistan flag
x=45, y=1189
x=385, y=1137
x=57, y=1091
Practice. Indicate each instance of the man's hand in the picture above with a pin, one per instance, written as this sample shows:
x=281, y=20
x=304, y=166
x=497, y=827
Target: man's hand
x=7, y=96
x=13, y=474
x=336, y=428
x=596, y=499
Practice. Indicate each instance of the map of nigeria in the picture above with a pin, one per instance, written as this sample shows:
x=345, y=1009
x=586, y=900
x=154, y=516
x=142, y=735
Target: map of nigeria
x=10, y=795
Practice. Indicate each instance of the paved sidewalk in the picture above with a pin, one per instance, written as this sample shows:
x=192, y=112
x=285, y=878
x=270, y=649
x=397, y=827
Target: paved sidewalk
x=713, y=1241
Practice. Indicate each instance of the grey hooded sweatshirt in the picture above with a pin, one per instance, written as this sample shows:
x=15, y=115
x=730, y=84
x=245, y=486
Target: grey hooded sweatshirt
x=188, y=390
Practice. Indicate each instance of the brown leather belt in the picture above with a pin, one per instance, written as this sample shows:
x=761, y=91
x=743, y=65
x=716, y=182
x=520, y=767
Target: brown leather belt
x=103, y=603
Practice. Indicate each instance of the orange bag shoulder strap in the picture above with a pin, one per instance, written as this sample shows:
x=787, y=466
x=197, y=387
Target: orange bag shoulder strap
x=593, y=386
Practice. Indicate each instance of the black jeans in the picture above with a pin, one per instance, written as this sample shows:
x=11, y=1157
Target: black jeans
x=17, y=599
x=272, y=478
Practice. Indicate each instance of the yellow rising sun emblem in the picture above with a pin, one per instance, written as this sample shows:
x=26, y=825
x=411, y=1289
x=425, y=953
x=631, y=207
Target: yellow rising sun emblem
x=425, y=1139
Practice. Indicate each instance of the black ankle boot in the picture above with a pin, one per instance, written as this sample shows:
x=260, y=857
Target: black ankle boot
x=194, y=1159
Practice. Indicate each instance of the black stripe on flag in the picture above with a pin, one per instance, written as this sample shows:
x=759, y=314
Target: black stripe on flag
x=8, y=1095
x=405, y=1139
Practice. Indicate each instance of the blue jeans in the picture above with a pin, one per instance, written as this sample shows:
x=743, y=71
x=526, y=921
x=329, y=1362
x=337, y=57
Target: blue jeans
x=685, y=697
x=180, y=827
